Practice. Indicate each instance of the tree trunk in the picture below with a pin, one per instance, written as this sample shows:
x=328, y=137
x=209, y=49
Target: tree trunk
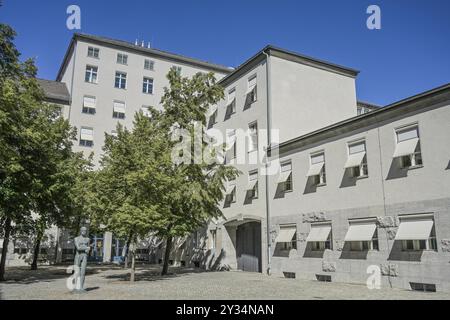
x=37, y=247
x=133, y=266
x=5, y=248
x=167, y=255
x=127, y=249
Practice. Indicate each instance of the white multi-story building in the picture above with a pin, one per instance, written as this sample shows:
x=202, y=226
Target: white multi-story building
x=356, y=187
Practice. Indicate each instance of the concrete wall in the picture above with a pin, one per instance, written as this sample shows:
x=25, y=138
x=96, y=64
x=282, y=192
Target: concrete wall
x=306, y=98
x=387, y=191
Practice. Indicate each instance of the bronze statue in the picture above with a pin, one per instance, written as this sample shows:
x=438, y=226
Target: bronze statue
x=82, y=249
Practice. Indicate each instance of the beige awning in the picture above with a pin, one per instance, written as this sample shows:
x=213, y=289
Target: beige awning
x=405, y=147
x=86, y=134
x=251, y=184
x=414, y=229
x=250, y=89
x=360, y=232
x=283, y=176
x=286, y=234
x=319, y=233
x=119, y=107
x=354, y=160
x=315, y=169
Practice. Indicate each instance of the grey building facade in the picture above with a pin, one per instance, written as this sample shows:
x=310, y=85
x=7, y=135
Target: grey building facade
x=333, y=189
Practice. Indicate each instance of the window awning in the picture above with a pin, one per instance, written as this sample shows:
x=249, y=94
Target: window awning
x=315, y=169
x=319, y=233
x=360, y=232
x=229, y=189
x=414, y=229
x=405, y=147
x=251, y=184
x=284, y=176
x=89, y=102
x=286, y=234
x=86, y=134
x=119, y=107
x=212, y=110
x=354, y=160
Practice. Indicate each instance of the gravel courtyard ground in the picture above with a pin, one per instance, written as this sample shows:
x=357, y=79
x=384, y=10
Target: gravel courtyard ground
x=110, y=282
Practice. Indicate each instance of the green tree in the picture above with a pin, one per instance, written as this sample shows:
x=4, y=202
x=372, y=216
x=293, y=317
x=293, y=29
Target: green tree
x=34, y=140
x=193, y=190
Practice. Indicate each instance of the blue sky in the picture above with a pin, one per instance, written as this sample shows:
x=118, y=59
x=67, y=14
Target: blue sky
x=410, y=54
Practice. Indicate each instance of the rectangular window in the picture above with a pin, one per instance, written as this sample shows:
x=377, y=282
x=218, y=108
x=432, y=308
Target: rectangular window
x=317, y=168
x=252, y=187
x=93, y=52
x=119, y=110
x=408, y=147
x=231, y=146
x=121, y=80
x=122, y=58
x=320, y=236
x=253, y=137
x=149, y=64
x=212, y=119
x=287, y=237
x=86, y=137
x=417, y=233
x=91, y=74
x=147, y=86
x=357, y=159
x=89, y=104
x=286, y=172
x=146, y=111
x=231, y=103
x=251, y=95
x=177, y=68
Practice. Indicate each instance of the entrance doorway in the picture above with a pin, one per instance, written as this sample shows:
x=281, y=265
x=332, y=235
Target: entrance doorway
x=248, y=246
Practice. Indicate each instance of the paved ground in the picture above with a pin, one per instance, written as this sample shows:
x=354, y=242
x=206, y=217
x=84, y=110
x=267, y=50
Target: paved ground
x=110, y=282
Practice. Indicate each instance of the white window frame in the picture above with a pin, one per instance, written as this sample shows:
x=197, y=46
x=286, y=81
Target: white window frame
x=288, y=184
x=321, y=178
x=252, y=88
x=93, y=74
x=253, y=175
x=147, y=83
x=362, y=171
x=253, y=136
x=122, y=58
x=122, y=80
x=95, y=52
x=415, y=159
x=87, y=109
x=149, y=64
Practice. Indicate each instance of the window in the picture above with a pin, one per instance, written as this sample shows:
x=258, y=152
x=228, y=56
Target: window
x=252, y=186
x=91, y=74
x=251, y=95
x=86, y=137
x=231, y=104
x=177, y=68
x=365, y=245
x=362, y=110
x=122, y=58
x=230, y=192
x=119, y=110
x=253, y=137
x=357, y=159
x=146, y=111
x=320, y=236
x=89, y=104
x=286, y=176
x=212, y=119
x=287, y=237
x=408, y=147
x=93, y=52
x=149, y=64
x=147, y=86
x=231, y=146
x=417, y=232
x=20, y=250
x=317, y=168
x=213, y=243
x=121, y=80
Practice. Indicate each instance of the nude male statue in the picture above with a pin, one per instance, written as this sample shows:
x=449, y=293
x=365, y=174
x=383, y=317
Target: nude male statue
x=82, y=250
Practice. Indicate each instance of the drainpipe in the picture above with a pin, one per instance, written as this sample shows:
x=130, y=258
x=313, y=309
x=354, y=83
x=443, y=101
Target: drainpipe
x=269, y=137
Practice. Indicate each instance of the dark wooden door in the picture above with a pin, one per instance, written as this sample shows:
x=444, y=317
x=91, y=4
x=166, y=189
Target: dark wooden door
x=248, y=246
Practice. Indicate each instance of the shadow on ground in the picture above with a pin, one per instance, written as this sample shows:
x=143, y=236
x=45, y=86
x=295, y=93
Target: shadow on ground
x=153, y=273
